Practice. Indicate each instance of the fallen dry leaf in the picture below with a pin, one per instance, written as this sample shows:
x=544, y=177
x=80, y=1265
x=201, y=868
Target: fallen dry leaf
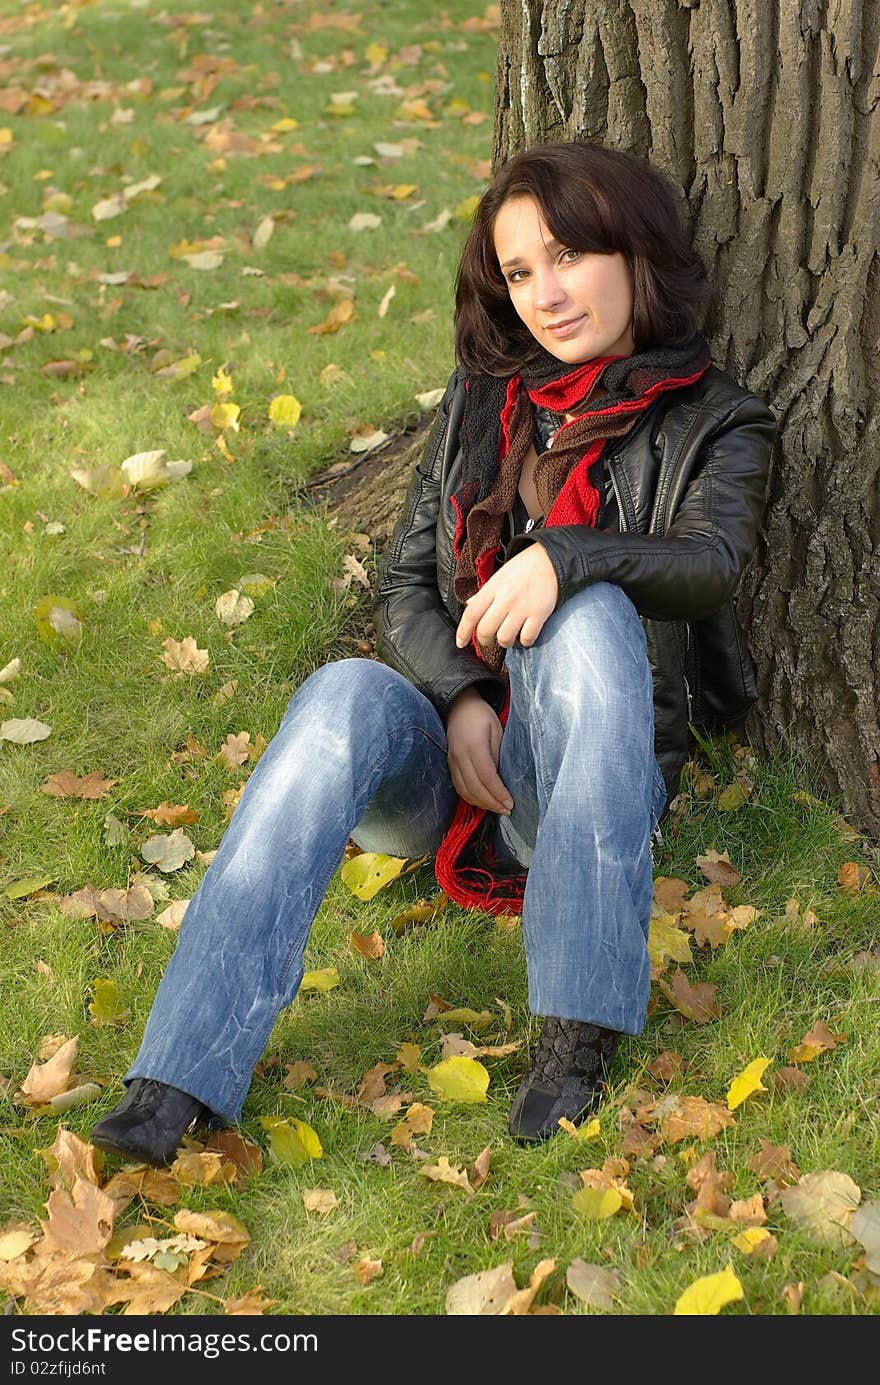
x=774, y=1161
x=249, y=1304
x=46, y=1080
x=320, y=1200
x=822, y=1204
x=367, y=1269
x=595, y=1285
x=67, y=785
x=369, y=945
x=444, y=1172
x=696, y=1002
x=171, y=814
x=817, y=1040
x=184, y=656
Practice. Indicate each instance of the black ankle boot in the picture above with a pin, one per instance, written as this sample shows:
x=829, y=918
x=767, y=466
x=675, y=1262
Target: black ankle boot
x=566, y=1077
x=148, y=1123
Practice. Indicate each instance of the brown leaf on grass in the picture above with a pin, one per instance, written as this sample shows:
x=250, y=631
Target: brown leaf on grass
x=718, y=869
x=234, y=751
x=387, y=1106
x=200, y=1168
x=184, y=656
x=229, y=1235
x=595, y=1285
x=479, y=1169
x=749, y=1211
x=667, y=1066
x=482, y=1294
x=520, y=1303
x=54, y=1281
x=639, y=1143
x=79, y=1221
x=852, y=877
x=297, y=1074
x=372, y=1085
x=245, y=1155
x=422, y=912
x=320, y=1200
x=793, y=1295
x=171, y=814
x=110, y=906
x=455, y=1045
x=157, y=1186
x=696, y=1002
x=15, y=1240
x=45, y=1080
x=822, y=1204
x=64, y=784
x=774, y=1161
x=145, y=1289
x=172, y=917
x=817, y=1040
x=786, y=1079
x=444, y=1172
x=692, y=1117
x=670, y=894
x=69, y=1158
x=509, y=1225
x=366, y=1269
x=249, y=1305
x=369, y=945
x=436, y=1005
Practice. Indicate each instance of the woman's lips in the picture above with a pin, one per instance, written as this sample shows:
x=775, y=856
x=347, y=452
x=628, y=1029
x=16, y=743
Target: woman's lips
x=567, y=328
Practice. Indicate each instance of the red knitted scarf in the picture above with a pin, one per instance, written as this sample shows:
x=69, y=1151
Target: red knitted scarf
x=497, y=432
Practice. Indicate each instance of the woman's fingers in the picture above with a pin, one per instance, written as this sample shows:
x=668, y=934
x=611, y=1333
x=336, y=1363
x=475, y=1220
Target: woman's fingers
x=476, y=779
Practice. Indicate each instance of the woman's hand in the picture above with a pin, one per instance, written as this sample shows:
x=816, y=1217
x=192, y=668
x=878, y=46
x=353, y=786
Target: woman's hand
x=473, y=739
x=516, y=600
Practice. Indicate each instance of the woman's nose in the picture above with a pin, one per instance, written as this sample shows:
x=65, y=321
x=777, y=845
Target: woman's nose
x=548, y=289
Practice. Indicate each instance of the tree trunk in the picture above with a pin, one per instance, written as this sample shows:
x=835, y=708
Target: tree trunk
x=767, y=115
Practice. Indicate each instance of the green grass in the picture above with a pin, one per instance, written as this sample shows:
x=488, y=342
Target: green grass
x=112, y=706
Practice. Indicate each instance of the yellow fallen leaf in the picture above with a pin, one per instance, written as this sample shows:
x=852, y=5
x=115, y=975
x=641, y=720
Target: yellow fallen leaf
x=590, y=1130
x=323, y=980
x=291, y=1141
x=709, y=1294
x=225, y=416
x=755, y=1240
x=286, y=409
x=746, y=1082
x=369, y=872
x=459, y=1079
x=597, y=1203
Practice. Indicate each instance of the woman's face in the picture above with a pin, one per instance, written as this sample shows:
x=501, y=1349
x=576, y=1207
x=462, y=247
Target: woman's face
x=551, y=284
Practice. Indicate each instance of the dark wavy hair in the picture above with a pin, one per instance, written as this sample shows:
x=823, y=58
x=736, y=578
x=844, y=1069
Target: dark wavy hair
x=593, y=199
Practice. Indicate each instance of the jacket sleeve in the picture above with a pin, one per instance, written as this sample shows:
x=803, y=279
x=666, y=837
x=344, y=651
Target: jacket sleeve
x=414, y=632
x=690, y=571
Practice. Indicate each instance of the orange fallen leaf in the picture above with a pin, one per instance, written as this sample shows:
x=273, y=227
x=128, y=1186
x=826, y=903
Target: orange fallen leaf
x=369, y=945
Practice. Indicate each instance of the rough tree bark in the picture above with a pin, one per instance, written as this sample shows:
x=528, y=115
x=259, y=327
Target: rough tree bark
x=767, y=115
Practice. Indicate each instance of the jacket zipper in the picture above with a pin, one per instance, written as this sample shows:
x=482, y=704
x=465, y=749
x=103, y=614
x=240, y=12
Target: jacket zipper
x=687, y=686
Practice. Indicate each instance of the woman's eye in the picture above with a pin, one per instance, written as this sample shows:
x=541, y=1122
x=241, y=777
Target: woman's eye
x=576, y=253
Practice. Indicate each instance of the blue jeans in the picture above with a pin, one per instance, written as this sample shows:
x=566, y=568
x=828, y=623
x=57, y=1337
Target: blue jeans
x=361, y=753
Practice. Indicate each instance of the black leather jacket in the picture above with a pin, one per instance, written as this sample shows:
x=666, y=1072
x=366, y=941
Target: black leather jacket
x=689, y=479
